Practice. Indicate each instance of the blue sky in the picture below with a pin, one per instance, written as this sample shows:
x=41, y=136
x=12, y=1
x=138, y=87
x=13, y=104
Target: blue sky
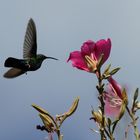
x=62, y=27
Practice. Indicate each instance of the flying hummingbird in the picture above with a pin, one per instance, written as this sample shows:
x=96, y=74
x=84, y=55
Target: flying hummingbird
x=31, y=60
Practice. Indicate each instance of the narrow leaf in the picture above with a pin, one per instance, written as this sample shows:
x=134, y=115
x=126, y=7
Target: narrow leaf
x=39, y=109
x=100, y=61
x=73, y=107
x=48, y=122
x=114, y=71
x=136, y=94
x=107, y=69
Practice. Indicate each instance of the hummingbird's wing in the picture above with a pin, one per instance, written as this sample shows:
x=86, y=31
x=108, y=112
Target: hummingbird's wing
x=30, y=41
x=13, y=72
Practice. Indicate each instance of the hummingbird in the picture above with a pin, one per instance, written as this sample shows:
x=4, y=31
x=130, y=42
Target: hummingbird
x=31, y=60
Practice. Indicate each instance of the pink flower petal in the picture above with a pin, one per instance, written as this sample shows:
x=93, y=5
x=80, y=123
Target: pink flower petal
x=112, y=103
x=116, y=86
x=87, y=48
x=109, y=89
x=111, y=110
x=102, y=47
x=50, y=137
x=78, y=61
x=113, y=98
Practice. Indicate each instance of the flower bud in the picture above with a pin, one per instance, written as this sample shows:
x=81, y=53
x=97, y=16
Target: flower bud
x=124, y=96
x=97, y=116
x=39, y=109
x=73, y=107
x=48, y=122
x=137, y=105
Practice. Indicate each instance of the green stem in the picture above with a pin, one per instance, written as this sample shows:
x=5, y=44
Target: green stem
x=60, y=136
x=100, y=90
x=109, y=135
x=136, y=131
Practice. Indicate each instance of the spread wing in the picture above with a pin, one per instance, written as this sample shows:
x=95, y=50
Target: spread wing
x=30, y=41
x=13, y=72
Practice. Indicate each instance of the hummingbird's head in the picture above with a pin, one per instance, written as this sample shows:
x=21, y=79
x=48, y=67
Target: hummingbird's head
x=43, y=57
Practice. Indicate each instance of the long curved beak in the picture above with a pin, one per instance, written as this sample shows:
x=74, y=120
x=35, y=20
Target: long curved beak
x=51, y=58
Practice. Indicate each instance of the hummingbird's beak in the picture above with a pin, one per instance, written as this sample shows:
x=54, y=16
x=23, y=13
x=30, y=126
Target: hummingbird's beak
x=51, y=58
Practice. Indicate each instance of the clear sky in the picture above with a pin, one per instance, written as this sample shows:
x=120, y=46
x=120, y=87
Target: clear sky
x=62, y=27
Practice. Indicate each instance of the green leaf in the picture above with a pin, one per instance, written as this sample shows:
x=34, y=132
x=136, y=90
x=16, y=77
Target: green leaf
x=124, y=96
x=62, y=117
x=73, y=107
x=136, y=94
x=106, y=76
x=122, y=110
x=42, y=111
x=48, y=122
x=100, y=61
x=109, y=121
x=39, y=109
x=107, y=69
x=106, y=73
x=114, y=125
x=114, y=71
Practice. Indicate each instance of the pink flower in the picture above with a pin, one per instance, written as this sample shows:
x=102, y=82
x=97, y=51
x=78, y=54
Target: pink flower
x=93, y=50
x=50, y=137
x=113, y=98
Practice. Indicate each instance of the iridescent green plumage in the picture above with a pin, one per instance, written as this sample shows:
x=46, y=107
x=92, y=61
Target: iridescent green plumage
x=31, y=60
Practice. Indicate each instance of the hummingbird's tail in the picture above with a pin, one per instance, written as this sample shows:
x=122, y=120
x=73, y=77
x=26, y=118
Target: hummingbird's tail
x=12, y=62
x=16, y=69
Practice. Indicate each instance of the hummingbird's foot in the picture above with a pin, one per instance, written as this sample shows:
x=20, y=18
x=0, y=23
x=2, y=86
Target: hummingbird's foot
x=28, y=65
